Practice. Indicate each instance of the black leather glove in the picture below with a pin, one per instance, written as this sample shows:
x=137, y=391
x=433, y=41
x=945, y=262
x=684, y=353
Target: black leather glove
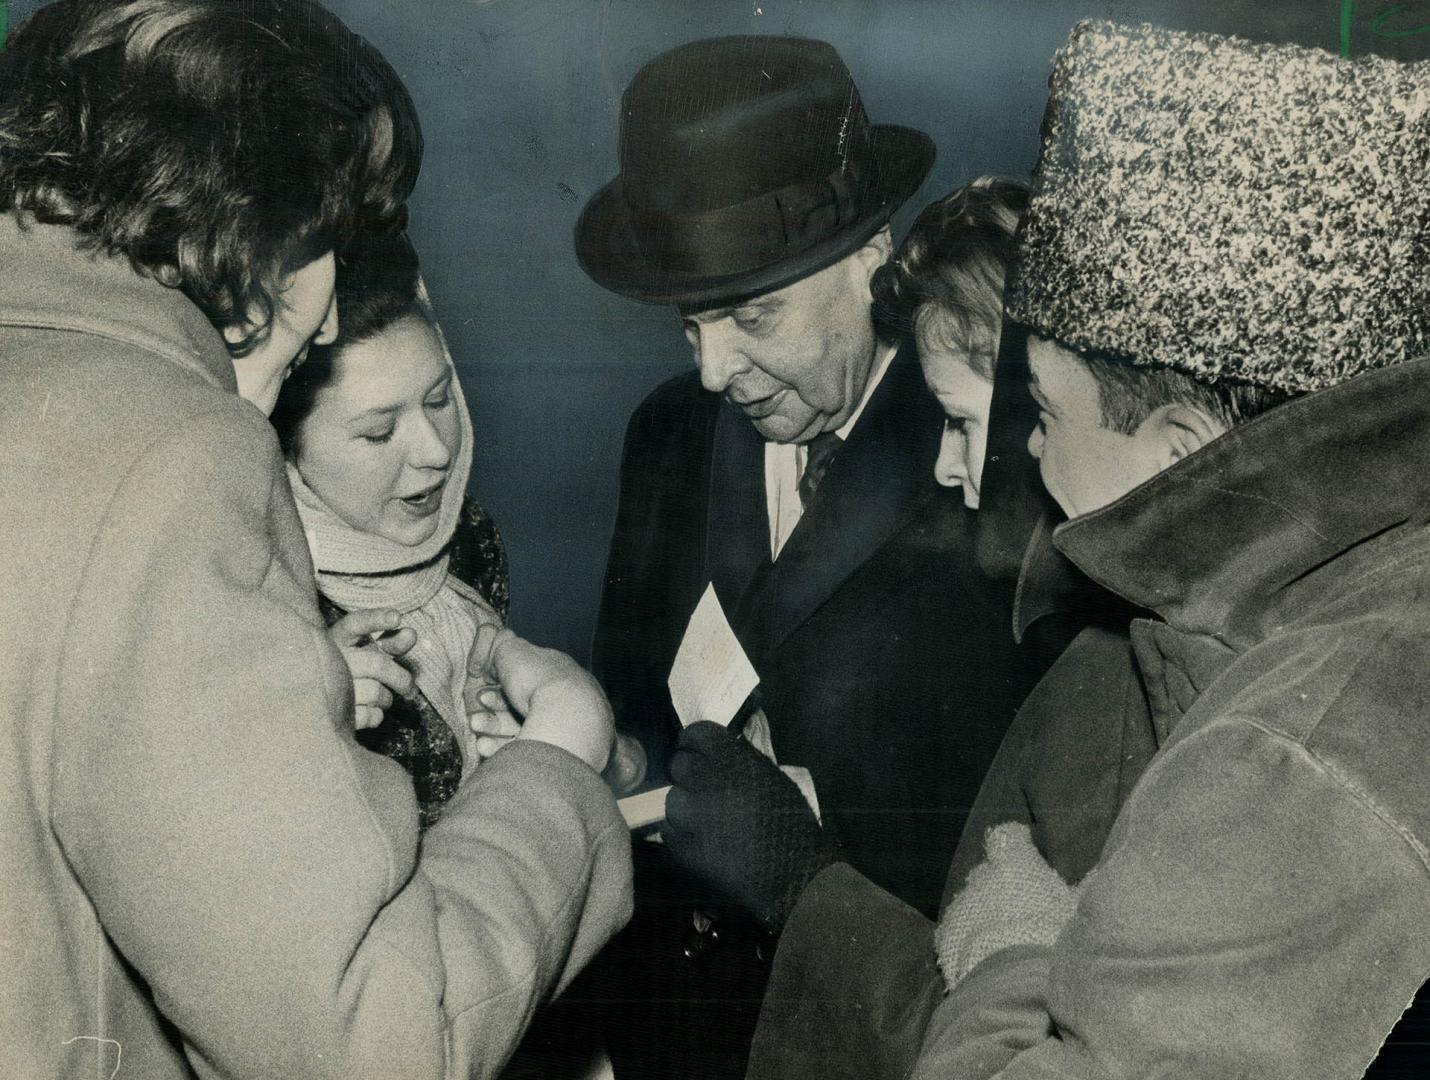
x=738, y=822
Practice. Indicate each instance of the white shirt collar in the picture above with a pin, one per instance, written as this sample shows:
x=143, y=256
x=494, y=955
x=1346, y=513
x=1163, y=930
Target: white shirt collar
x=883, y=357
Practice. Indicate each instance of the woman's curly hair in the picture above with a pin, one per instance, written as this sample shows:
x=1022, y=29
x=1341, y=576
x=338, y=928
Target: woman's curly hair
x=947, y=276
x=217, y=144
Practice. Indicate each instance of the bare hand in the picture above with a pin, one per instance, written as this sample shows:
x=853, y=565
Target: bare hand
x=488, y=711
x=556, y=700
x=376, y=675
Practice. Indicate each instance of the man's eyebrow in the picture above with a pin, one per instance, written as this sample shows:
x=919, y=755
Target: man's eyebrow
x=714, y=314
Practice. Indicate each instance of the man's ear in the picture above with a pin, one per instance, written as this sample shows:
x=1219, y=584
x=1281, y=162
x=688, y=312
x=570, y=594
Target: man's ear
x=1178, y=430
x=877, y=250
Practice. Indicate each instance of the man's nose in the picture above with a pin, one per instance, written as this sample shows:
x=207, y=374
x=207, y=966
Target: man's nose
x=717, y=357
x=951, y=468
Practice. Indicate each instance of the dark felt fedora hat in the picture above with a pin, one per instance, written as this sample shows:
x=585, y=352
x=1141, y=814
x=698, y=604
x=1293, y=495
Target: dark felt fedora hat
x=746, y=164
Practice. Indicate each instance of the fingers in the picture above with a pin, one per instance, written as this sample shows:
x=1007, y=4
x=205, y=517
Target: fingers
x=370, y=701
x=356, y=627
x=701, y=758
x=679, y=809
x=479, y=696
x=704, y=736
x=371, y=692
x=479, y=660
x=398, y=644
x=378, y=666
x=488, y=745
x=523, y=668
x=494, y=723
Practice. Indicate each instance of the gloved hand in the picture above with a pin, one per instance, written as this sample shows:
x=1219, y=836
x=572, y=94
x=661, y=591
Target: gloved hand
x=738, y=822
x=1012, y=898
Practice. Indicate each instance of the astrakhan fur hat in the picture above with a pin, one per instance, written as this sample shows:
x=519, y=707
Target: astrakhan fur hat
x=1238, y=211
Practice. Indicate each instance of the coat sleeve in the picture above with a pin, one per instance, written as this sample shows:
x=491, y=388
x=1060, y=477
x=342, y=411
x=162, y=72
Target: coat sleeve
x=655, y=569
x=255, y=867
x=1252, y=917
x=852, y=988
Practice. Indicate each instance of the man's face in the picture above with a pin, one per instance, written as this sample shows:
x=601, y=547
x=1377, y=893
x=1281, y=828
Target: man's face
x=1084, y=465
x=795, y=360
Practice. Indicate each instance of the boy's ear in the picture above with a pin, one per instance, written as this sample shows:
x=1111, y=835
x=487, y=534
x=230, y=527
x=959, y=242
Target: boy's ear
x=1179, y=430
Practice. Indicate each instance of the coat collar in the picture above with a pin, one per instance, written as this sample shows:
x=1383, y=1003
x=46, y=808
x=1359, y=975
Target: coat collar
x=1233, y=539
x=881, y=476
x=49, y=282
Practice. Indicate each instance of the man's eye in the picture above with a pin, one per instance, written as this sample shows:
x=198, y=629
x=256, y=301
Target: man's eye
x=378, y=436
x=749, y=320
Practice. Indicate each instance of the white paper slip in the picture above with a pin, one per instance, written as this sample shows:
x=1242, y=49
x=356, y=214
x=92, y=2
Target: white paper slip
x=644, y=809
x=711, y=676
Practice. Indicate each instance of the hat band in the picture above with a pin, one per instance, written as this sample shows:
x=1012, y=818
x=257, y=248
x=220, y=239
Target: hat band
x=756, y=233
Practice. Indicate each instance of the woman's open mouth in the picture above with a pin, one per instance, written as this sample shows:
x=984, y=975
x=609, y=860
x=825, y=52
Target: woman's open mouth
x=424, y=502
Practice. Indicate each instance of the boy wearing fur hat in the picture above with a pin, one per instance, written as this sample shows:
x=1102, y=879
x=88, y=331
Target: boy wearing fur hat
x=1224, y=276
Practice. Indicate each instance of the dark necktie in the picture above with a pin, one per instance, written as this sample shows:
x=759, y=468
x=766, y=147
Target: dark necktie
x=819, y=451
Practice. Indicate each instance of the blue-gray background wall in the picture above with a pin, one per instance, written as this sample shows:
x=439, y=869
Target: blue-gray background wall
x=520, y=101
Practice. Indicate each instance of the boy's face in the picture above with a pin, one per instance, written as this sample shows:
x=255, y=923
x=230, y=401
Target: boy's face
x=1085, y=466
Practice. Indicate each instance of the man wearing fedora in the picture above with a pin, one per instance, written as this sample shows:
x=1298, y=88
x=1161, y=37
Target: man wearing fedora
x=792, y=472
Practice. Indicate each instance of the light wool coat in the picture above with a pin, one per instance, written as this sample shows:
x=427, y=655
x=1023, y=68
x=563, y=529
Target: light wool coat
x=203, y=873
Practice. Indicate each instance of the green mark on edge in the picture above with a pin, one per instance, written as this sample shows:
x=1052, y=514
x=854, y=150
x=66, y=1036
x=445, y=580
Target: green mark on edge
x=1377, y=25
x=1348, y=14
x=3, y=22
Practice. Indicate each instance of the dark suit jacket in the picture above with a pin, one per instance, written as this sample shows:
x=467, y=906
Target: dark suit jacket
x=886, y=660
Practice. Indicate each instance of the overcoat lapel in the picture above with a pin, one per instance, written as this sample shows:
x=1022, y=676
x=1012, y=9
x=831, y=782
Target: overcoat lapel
x=876, y=483
x=737, y=529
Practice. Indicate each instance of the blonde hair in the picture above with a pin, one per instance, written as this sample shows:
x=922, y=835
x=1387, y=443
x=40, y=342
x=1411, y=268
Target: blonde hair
x=947, y=277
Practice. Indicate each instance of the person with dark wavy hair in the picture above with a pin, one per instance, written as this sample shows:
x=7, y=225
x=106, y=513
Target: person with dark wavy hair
x=206, y=875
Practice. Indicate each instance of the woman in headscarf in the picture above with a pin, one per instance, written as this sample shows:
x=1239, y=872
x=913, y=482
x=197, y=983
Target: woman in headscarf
x=379, y=447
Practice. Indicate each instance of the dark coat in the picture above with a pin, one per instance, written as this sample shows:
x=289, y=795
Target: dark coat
x=885, y=660
x=1078, y=745
x=1258, y=906
x=886, y=664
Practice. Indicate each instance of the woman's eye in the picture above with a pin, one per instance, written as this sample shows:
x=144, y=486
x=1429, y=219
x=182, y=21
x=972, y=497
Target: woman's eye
x=378, y=437
x=441, y=402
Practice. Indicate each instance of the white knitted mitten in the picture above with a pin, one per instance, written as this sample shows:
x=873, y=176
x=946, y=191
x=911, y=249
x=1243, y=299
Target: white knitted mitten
x=1012, y=898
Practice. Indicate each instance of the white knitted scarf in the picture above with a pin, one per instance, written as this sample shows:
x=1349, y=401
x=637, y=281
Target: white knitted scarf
x=359, y=571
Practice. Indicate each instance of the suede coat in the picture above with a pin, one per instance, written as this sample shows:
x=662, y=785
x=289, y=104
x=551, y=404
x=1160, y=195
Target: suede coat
x=1259, y=907
x=205, y=875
